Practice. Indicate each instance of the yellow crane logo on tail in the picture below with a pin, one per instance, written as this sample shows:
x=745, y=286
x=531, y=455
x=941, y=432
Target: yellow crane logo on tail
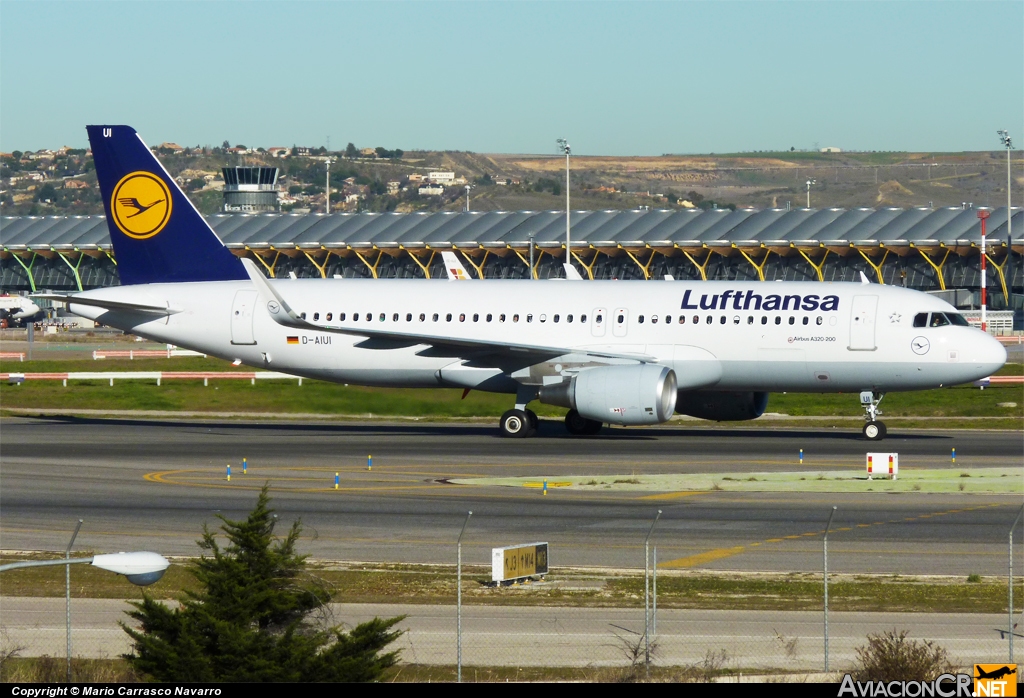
x=141, y=205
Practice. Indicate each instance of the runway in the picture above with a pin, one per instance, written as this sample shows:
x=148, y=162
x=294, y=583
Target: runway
x=153, y=484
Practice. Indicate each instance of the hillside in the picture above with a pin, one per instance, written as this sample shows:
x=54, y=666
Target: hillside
x=64, y=183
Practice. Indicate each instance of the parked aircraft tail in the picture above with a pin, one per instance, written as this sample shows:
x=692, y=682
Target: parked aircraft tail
x=158, y=235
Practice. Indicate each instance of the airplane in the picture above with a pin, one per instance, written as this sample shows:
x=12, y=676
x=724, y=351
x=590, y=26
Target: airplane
x=611, y=352
x=18, y=310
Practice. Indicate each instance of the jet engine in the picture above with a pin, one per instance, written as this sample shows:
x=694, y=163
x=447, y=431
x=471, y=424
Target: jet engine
x=724, y=406
x=627, y=395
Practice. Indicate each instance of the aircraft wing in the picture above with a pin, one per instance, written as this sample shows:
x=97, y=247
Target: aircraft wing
x=108, y=304
x=440, y=345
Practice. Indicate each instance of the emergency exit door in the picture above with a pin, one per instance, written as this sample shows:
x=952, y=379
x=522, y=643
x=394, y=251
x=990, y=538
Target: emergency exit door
x=242, y=316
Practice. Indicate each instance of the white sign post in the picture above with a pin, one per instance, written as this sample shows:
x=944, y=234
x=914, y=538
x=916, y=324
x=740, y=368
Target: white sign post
x=886, y=465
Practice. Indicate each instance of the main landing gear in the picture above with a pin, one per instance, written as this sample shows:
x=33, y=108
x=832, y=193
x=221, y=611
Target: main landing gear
x=518, y=424
x=578, y=425
x=874, y=430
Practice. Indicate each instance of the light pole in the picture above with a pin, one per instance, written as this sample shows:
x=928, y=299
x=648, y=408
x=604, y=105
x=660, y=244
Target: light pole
x=458, y=599
x=563, y=145
x=329, y=161
x=1004, y=138
x=647, y=604
x=809, y=183
x=468, y=187
x=824, y=550
x=140, y=568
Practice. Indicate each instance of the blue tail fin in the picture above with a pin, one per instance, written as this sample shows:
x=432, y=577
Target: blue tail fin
x=158, y=235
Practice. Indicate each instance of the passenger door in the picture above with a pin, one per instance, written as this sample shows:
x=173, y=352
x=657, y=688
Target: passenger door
x=862, y=323
x=242, y=316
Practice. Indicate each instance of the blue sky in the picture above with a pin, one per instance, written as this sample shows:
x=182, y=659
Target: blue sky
x=615, y=78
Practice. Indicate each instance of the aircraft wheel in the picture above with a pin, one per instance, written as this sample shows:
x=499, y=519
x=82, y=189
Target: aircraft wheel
x=578, y=425
x=533, y=421
x=874, y=431
x=515, y=424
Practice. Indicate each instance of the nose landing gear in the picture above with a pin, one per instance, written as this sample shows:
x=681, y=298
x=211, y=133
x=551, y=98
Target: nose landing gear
x=874, y=430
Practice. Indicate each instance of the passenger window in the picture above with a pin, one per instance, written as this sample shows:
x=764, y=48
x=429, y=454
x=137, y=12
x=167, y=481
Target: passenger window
x=408, y=317
x=543, y=318
x=818, y=320
x=422, y=317
x=621, y=318
x=316, y=316
x=939, y=320
x=778, y=320
x=302, y=315
x=806, y=320
x=476, y=317
x=921, y=320
x=792, y=320
x=329, y=316
x=640, y=319
x=529, y=317
x=668, y=319
x=555, y=318
x=341, y=317
x=355, y=317
x=501, y=318
x=568, y=318
x=750, y=319
x=583, y=318
x=448, y=317
x=598, y=319
x=515, y=318
x=394, y=318
x=462, y=317
x=654, y=319
x=722, y=320
x=696, y=319
x=710, y=319
x=764, y=319
x=382, y=316
x=736, y=320
x=489, y=316
x=435, y=317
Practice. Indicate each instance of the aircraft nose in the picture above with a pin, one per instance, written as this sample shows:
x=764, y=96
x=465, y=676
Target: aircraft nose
x=989, y=352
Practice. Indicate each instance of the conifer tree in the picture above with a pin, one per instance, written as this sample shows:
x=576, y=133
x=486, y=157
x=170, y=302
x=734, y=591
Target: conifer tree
x=254, y=617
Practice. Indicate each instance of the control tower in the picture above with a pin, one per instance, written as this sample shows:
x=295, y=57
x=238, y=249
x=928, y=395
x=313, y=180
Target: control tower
x=250, y=189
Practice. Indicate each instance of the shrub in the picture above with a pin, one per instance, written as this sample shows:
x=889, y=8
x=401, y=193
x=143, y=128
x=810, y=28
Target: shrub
x=890, y=656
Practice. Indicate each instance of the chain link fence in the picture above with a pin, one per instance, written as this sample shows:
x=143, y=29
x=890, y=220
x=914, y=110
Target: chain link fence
x=507, y=630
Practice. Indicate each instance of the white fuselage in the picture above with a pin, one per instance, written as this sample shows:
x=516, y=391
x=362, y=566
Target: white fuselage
x=861, y=339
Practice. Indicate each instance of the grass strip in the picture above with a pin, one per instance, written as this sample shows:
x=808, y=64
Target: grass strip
x=435, y=584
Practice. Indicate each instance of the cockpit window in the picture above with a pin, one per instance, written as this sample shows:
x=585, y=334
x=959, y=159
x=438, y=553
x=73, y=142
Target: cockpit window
x=921, y=320
x=958, y=319
x=938, y=320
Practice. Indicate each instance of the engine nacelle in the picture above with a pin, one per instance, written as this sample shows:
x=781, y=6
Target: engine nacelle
x=722, y=406
x=627, y=395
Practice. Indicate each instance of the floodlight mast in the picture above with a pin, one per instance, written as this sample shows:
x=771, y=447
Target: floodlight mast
x=809, y=183
x=563, y=145
x=329, y=160
x=1004, y=138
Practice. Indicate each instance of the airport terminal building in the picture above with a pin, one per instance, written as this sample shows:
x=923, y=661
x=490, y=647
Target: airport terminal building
x=922, y=248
